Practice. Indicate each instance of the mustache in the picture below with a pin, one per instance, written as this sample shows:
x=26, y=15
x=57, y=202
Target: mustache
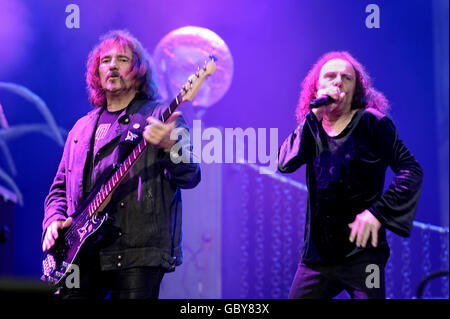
x=114, y=74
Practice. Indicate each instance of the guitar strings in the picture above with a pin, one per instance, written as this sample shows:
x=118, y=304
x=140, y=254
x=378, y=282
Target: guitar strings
x=71, y=230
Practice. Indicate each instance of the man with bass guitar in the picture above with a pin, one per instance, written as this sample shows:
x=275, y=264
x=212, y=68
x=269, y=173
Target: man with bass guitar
x=141, y=238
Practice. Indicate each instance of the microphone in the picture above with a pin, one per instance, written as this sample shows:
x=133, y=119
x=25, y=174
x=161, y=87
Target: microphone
x=321, y=101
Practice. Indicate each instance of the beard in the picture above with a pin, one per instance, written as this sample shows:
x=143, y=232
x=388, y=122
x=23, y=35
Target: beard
x=120, y=86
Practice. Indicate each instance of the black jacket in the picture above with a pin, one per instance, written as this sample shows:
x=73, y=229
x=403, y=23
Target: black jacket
x=345, y=176
x=146, y=211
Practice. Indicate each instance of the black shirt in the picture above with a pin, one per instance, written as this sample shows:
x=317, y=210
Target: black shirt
x=104, y=122
x=345, y=175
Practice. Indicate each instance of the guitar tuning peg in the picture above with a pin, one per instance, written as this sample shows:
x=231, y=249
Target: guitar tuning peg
x=191, y=78
x=197, y=74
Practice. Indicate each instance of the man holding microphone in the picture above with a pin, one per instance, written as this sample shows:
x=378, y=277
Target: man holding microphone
x=347, y=142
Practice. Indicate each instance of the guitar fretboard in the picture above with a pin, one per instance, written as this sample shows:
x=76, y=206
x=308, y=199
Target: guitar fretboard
x=129, y=162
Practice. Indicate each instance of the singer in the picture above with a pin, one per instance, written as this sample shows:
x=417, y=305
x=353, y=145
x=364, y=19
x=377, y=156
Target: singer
x=347, y=144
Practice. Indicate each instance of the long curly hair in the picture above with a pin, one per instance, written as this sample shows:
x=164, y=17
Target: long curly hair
x=141, y=69
x=365, y=96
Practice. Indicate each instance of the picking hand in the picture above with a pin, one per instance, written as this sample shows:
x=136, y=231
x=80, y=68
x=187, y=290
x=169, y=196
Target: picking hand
x=52, y=232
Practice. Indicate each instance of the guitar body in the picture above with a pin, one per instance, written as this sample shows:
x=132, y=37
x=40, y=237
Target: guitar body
x=58, y=259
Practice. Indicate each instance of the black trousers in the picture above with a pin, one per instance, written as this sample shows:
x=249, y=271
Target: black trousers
x=361, y=275
x=130, y=283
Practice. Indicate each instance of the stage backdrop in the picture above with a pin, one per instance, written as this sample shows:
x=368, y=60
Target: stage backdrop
x=402, y=44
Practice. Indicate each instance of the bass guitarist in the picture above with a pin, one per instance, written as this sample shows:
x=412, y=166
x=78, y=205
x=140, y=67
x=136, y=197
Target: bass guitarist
x=141, y=239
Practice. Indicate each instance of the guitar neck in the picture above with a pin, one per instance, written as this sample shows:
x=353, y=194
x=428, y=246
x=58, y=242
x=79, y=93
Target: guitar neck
x=129, y=162
x=187, y=94
x=172, y=107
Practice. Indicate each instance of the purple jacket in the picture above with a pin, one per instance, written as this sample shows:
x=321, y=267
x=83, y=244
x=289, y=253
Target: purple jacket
x=146, y=207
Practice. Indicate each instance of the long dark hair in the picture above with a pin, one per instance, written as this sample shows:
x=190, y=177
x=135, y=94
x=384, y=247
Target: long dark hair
x=141, y=69
x=365, y=96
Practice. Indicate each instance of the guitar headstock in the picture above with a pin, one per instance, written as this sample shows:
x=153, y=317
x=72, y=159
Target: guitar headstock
x=190, y=89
